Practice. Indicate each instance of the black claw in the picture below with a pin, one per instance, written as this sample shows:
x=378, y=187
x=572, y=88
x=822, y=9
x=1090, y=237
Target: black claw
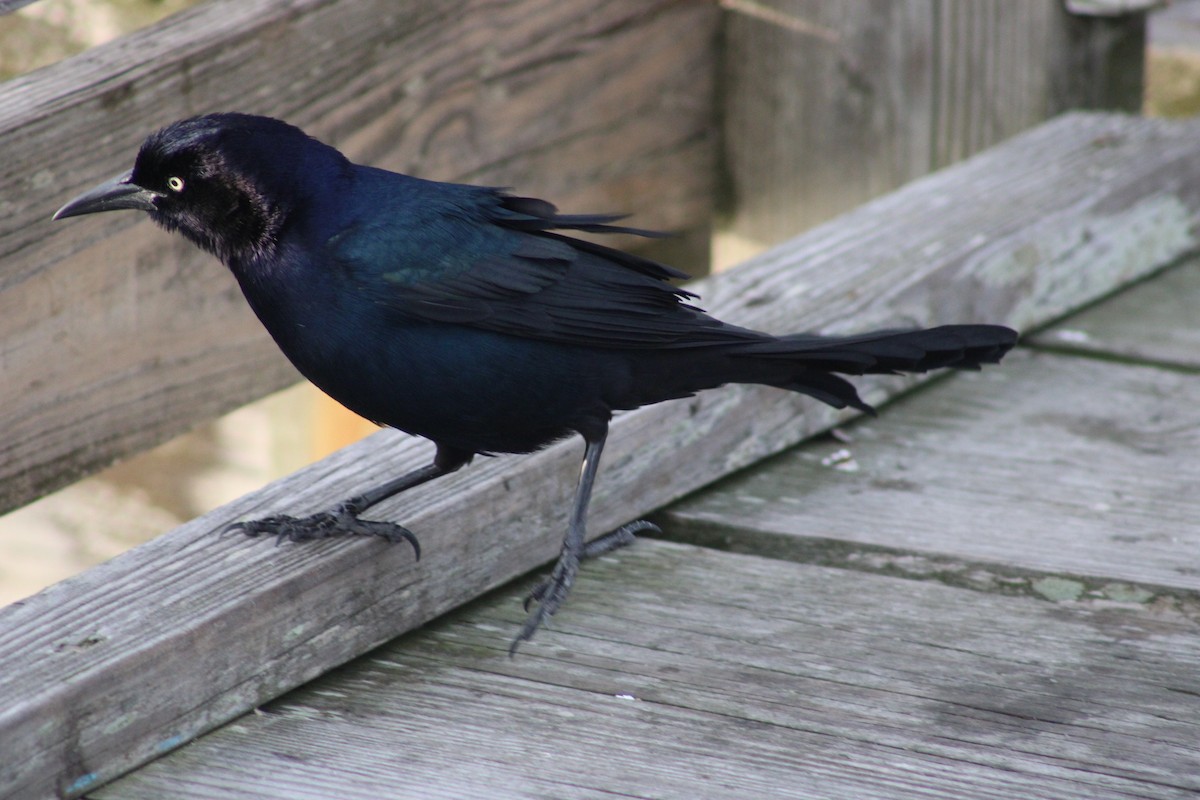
x=341, y=521
x=531, y=624
x=622, y=536
x=551, y=593
x=549, y=596
x=234, y=528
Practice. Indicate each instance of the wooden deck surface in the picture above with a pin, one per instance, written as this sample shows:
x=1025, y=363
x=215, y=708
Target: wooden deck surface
x=693, y=684
x=993, y=590
x=1040, y=512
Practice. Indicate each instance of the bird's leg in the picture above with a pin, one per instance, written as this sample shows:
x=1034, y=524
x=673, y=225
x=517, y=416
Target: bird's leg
x=343, y=519
x=549, y=595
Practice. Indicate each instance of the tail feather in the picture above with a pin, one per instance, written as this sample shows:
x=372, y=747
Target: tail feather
x=814, y=358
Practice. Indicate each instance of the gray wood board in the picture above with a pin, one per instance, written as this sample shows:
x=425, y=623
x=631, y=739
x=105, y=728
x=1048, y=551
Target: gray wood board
x=190, y=630
x=1066, y=465
x=678, y=672
x=829, y=103
x=115, y=336
x=1157, y=321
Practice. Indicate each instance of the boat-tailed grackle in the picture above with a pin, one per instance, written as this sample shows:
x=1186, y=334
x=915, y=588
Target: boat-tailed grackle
x=465, y=315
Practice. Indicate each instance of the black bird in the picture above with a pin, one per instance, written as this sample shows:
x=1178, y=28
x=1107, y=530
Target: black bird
x=463, y=314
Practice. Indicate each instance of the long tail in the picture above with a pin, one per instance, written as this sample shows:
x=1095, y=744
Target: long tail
x=811, y=361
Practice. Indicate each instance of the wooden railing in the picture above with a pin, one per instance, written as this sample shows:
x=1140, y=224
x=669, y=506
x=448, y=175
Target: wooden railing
x=115, y=336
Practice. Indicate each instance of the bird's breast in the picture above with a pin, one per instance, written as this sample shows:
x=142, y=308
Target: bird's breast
x=473, y=389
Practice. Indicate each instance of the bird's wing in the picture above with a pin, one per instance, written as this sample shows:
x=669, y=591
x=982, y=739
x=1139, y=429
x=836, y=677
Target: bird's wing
x=498, y=263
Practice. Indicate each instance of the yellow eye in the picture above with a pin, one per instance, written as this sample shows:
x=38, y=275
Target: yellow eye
x=175, y=184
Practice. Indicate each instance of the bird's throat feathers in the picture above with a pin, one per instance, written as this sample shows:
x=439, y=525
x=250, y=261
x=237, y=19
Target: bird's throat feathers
x=248, y=229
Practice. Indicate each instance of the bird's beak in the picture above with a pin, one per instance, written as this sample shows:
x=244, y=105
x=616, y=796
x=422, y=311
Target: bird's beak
x=109, y=196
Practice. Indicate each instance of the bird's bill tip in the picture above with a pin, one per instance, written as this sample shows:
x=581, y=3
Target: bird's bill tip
x=109, y=196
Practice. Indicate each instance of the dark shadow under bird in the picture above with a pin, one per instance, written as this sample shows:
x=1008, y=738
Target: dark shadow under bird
x=465, y=315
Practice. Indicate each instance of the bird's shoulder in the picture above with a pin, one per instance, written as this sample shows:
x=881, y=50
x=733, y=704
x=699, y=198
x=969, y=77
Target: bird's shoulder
x=479, y=256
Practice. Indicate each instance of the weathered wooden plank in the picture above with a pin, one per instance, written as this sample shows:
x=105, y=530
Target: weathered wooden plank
x=187, y=631
x=114, y=337
x=685, y=673
x=1154, y=322
x=1070, y=466
x=829, y=103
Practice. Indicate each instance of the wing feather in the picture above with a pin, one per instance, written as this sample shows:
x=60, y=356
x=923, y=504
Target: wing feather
x=499, y=262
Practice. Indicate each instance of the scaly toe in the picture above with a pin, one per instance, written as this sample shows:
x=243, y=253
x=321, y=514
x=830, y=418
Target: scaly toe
x=325, y=525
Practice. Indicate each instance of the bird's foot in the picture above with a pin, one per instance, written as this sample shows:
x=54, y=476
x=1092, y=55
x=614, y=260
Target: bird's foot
x=342, y=520
x=549, y=595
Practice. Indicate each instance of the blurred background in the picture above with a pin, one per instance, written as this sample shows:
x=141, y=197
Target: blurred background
x=99, y=517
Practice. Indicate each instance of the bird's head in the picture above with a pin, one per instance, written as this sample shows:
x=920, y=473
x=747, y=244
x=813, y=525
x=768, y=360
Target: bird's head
x=228, y=182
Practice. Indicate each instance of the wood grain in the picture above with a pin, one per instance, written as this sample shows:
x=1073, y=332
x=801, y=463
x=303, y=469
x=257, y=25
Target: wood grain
x=115, y=336
x=687, y=673
x=1036, y=499
x=1155, y=322
x=894, y=89
x=1067, y=466
x=130, y=659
